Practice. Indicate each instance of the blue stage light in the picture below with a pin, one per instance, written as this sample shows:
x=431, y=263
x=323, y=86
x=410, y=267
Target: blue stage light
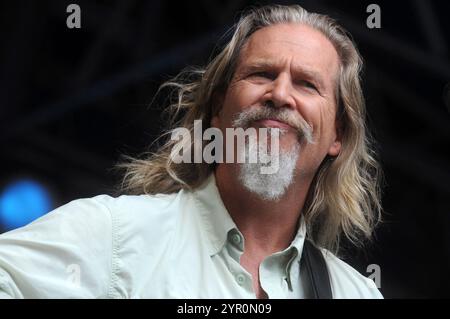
x=23, y=201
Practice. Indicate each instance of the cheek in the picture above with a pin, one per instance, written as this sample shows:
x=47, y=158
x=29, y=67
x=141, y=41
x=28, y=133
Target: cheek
x=243, y=94
x=239, y=97
x=328, y=118
x=322, y=117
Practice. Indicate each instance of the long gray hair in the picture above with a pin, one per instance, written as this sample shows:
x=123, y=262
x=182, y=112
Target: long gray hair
x=344, y=198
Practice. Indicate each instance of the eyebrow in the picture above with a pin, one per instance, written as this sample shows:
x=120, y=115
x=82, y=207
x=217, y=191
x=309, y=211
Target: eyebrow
x=297, y=70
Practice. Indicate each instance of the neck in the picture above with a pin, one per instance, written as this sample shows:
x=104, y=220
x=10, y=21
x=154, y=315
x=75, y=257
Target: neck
x=267, y=226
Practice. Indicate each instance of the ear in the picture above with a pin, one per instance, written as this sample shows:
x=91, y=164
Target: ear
x=336, y=146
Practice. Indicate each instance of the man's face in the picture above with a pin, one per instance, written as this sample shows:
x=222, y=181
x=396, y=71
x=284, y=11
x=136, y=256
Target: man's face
x=295, y=68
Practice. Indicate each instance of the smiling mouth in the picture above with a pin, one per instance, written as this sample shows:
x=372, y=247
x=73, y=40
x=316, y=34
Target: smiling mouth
x=270, y=122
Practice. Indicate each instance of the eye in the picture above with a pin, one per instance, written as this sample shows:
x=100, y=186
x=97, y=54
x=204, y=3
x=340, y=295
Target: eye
x=263, y=74
x=308, y=84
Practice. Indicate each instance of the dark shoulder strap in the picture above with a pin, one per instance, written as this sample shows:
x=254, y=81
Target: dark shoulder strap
x=314, y=272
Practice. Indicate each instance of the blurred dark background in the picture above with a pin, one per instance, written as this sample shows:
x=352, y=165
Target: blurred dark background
x=73, y=100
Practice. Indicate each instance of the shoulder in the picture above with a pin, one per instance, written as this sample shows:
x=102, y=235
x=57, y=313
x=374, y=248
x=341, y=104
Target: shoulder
x=76, y=218
x=347, y=282
x=141, y=219
x=142, y=210
x=111, y=207
x=108, y=238
x=104, y=214
x=136, y=204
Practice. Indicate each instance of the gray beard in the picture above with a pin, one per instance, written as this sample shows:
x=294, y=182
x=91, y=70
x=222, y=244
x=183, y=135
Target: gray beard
x=269, y=187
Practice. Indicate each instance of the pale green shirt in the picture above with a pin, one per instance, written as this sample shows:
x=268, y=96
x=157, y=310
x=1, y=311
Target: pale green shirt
x=183, y=245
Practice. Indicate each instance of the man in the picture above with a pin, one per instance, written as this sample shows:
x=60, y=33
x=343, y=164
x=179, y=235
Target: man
x=224, y=229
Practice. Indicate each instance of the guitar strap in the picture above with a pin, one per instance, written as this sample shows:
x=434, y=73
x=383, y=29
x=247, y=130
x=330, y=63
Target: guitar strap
x=314, y=273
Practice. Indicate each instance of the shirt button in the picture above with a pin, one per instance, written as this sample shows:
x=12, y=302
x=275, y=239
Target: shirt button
x=240, y=279
x=236, y=238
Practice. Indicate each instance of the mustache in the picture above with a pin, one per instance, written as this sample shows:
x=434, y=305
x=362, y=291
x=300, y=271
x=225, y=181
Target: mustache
x=245, y=118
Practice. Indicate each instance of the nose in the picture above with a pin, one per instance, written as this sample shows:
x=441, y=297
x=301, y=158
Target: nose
x=280, y=93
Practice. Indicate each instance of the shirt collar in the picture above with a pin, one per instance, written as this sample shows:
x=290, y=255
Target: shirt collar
x=299, y=238
x=217, y=222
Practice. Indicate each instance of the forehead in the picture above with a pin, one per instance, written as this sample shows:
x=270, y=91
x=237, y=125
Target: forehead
x=297, y=44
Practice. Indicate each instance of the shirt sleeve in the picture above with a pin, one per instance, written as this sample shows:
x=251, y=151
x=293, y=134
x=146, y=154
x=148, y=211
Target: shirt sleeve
x=64, y=254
